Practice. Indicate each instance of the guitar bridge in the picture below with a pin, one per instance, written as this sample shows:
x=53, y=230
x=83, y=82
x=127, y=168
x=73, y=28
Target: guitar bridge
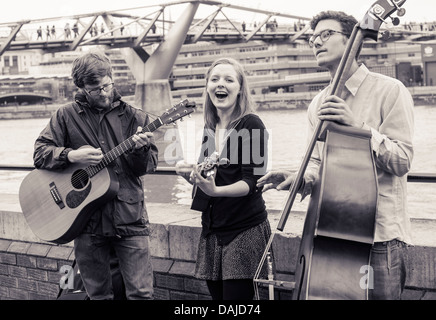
x=56, y=196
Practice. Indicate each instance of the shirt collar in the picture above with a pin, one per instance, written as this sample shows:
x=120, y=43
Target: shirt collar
x=356, y=79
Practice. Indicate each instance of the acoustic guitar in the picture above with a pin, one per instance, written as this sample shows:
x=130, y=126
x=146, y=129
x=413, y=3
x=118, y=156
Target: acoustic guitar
x=57, y=204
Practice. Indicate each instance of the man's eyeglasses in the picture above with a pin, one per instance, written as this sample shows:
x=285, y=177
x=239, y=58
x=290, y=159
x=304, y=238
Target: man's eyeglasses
x=106, y=88
x=323, y=35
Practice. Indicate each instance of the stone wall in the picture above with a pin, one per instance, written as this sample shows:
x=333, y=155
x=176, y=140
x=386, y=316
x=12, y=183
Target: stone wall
x=30, y=269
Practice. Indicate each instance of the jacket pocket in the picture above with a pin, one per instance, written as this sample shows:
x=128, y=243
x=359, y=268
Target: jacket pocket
x=130, y=207
x=130, y=195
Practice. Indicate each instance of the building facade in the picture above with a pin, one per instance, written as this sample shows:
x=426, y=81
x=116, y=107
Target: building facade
x=272, y=67
x=291, y=67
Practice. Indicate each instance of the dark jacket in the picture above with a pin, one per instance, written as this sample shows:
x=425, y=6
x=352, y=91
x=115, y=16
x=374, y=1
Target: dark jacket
x=77, y=124
x=246, y=148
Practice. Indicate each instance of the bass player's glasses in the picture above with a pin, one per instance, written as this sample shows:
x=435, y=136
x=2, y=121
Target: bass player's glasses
x=323, y=35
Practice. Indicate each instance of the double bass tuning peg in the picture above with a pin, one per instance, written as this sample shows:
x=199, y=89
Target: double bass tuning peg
x=400, y=11
x=385, y=35
x=377, y=10
x=395, y=21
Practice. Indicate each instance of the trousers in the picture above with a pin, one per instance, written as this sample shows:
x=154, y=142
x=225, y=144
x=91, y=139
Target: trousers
x=388, y=263
x=93, y=259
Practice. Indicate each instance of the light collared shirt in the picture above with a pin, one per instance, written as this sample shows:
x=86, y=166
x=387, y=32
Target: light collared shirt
x=385, y=107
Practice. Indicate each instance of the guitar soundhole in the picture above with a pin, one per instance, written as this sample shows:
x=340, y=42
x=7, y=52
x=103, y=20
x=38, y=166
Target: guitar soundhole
x=79, y=179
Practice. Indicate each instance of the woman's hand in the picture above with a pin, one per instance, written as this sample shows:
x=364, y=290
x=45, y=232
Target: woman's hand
x=186, y=170
x=207, y=185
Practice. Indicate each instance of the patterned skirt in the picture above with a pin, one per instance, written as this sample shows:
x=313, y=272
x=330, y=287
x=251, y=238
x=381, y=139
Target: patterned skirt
x=237, y=260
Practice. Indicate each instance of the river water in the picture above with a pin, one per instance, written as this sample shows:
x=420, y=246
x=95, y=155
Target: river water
x=287, y=129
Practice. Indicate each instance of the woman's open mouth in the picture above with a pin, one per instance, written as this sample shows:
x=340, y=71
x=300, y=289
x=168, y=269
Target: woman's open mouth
x=221, y=94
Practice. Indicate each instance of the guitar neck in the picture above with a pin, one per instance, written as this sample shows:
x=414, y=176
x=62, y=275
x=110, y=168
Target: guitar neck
x=120, y=149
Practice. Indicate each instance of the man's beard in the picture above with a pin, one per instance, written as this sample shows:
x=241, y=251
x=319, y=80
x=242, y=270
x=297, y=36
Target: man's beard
x=102, y=102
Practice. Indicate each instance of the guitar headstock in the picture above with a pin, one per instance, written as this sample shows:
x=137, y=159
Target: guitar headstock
x=378, y=13
x=178, y=111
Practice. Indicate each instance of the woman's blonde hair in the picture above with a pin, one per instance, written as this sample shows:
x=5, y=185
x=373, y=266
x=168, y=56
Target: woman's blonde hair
x=244, y=103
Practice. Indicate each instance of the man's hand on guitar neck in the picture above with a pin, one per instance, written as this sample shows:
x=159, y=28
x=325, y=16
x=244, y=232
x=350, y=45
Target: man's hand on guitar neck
x=142, y=139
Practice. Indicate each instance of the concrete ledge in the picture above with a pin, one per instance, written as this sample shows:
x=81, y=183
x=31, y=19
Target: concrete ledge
x=175, y=230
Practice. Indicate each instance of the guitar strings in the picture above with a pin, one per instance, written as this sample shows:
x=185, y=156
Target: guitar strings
x=90, y=171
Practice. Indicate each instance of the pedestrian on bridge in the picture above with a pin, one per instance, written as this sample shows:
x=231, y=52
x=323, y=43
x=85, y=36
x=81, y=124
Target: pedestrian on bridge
x=67, y=31
x=39, y=33
x=53, y=32
x=75, y=30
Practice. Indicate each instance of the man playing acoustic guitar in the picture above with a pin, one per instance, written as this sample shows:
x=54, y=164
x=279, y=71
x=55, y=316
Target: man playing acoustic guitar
x=80, y=133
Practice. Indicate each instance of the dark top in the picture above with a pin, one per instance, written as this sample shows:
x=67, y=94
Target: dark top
x=246, y=148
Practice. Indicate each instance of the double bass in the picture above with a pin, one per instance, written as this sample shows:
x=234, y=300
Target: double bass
x=334, y=255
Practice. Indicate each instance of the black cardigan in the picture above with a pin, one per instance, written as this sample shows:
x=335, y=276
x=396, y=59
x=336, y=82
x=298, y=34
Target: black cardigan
x=246, y=148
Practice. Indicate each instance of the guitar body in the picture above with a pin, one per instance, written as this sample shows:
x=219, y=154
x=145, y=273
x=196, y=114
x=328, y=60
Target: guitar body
x=58, y=204
x=338, y=234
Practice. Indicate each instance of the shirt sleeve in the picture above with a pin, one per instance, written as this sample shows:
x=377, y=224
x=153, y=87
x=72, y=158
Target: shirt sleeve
x=392, y=141
x=144, y=160
x=312, y=170
x=256, y=138
x=50, y=151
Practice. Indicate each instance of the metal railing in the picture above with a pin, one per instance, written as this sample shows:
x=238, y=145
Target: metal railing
x=411, y=177
x=159, y=170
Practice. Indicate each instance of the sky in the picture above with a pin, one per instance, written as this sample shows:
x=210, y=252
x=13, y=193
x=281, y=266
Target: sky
x=416, y=10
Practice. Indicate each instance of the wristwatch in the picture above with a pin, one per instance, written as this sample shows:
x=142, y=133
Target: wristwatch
x=64, y=155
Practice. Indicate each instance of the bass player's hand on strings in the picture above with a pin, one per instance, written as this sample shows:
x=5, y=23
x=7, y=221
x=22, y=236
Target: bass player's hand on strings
x=283, y=180
x=280, y=180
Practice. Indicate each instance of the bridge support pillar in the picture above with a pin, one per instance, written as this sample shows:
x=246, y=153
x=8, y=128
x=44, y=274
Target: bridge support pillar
x=155, y=97
x=153, y=93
